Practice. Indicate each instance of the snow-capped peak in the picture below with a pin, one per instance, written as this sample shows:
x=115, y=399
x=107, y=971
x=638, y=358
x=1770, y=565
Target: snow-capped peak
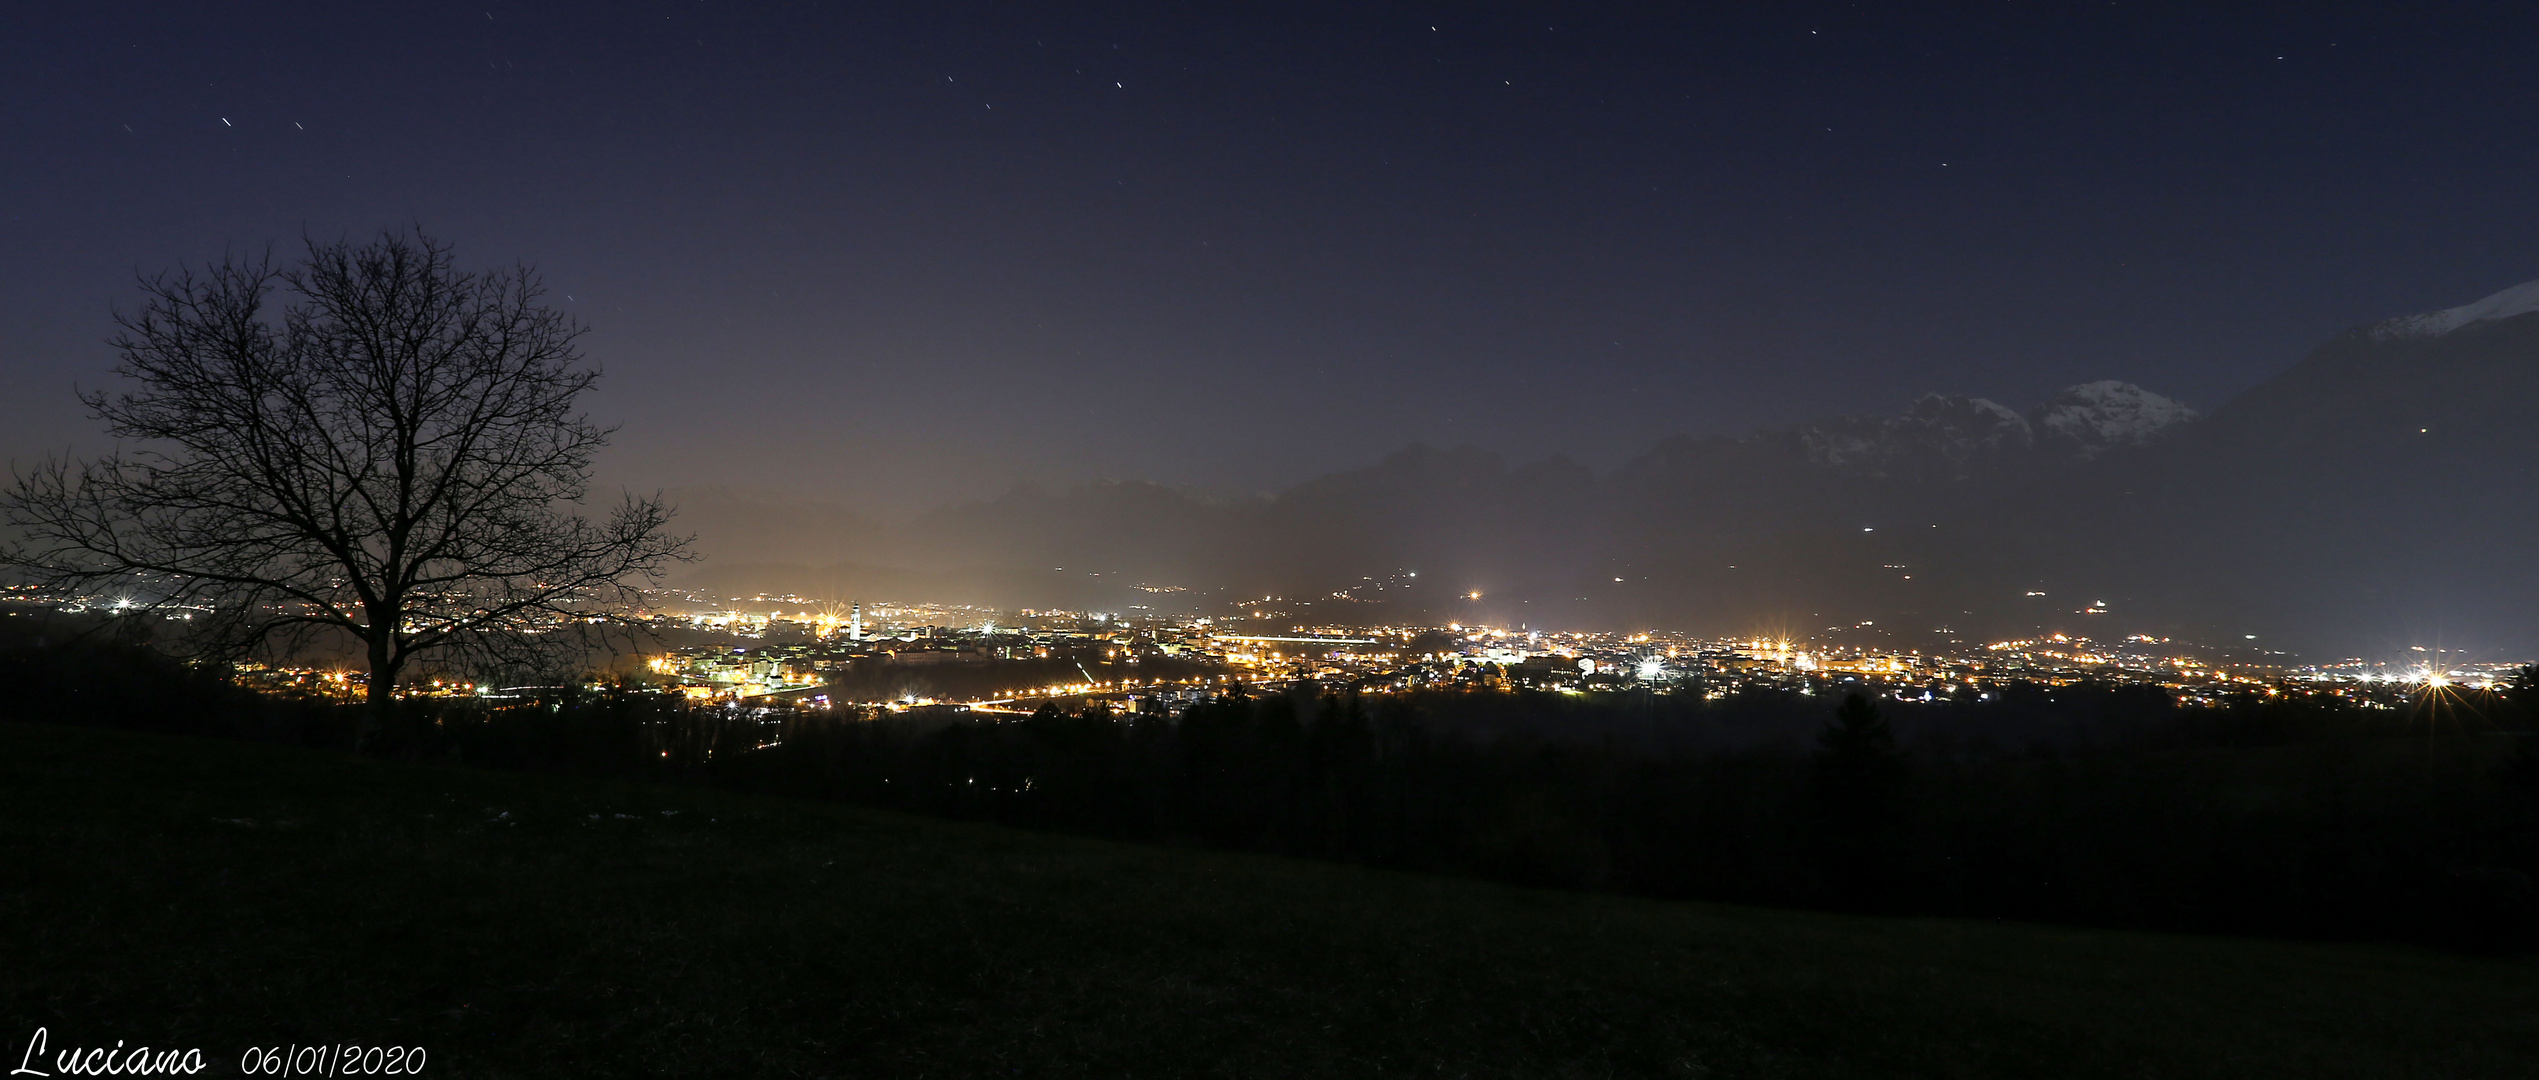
x=2520, y=299
x=2095, y=417
x=1945, y=438
x=1976, y=413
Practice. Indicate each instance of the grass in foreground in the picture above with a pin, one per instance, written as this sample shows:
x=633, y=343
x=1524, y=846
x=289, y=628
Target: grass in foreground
x=183, y=892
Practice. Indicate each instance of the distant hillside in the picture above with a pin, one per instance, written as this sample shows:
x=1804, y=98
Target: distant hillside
x=2381, y=494
x=1416, y=533
x=2371, y=498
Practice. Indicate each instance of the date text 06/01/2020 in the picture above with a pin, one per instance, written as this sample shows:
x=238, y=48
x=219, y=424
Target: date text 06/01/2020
x=342, y=1059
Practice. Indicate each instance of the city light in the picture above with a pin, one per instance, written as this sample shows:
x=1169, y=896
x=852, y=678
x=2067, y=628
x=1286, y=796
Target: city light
x=783, y=650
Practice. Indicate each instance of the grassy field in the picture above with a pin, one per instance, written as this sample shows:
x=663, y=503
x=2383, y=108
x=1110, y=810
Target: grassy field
x=183, y=892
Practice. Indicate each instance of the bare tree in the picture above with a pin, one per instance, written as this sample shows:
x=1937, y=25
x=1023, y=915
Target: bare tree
x=394, y=454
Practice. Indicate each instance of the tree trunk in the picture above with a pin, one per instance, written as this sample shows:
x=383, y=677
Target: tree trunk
x=382, y=689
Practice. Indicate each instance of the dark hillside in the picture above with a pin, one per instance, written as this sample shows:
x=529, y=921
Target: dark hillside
x=225, y=895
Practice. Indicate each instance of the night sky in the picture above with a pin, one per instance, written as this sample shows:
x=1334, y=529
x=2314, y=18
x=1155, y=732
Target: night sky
x=899, y=259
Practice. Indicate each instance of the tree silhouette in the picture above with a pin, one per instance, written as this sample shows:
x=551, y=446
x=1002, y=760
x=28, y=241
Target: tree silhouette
x=2523, y=691
x=1858, y=795
x=392, y=455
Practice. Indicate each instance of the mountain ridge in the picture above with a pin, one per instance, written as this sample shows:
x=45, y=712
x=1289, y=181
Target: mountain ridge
x=2360, y=501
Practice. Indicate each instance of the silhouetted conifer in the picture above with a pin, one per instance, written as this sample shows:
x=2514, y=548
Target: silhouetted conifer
x=2523, y=692
x=1858, y=795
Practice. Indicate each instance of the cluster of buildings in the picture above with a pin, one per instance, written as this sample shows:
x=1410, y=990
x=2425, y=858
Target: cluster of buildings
x=772, y=649
x=1188, y=658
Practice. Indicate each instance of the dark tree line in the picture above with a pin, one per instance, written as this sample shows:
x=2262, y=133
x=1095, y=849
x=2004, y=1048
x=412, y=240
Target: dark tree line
x=2280, y=815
